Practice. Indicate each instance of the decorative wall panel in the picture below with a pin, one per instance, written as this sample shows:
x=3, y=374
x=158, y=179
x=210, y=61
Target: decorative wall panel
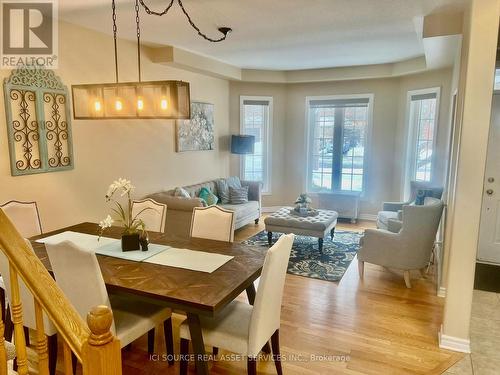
x=38, y=122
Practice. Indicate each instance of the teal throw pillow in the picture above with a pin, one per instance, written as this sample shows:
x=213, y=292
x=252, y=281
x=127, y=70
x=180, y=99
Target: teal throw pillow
x=209, y=197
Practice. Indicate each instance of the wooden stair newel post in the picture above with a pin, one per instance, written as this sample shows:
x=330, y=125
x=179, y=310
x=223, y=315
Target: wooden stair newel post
x=101, y=354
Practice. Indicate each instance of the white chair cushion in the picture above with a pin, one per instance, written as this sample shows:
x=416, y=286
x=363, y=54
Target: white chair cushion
x=383, y=218
x=228, y=331
x=132, y=320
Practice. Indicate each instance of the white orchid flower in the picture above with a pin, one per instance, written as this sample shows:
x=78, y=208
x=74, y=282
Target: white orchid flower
x=106, y=223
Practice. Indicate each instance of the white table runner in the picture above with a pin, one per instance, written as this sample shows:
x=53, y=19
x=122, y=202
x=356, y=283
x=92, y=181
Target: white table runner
x=105, y=246
x=190, y=259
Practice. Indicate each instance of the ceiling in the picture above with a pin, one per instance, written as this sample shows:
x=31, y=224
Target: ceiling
x=275, y=34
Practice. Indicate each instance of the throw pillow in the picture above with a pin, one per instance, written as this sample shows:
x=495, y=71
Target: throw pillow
x=223, y=190
x=181, y=192
x=234, y=182
x=422, y=194
x=209, y=197
x=239, y=195
x=223, y=186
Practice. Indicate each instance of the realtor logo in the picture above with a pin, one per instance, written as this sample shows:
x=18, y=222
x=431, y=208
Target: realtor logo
x=29, y=33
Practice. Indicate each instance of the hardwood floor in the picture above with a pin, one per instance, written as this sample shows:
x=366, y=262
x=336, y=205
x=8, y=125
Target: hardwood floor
x=377, y=325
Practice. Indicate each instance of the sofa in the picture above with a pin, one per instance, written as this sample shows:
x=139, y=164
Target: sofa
x=180, y=209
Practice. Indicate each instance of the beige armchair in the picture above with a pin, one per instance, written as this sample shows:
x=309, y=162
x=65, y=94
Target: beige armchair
x=409, y=248
x=391, y=211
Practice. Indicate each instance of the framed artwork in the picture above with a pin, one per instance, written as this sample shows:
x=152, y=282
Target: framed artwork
x=196, y=134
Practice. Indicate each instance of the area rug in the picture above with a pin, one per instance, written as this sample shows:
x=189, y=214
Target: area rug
x=305, y=259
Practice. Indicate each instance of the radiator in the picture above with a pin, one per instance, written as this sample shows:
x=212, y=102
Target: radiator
x=347, y=206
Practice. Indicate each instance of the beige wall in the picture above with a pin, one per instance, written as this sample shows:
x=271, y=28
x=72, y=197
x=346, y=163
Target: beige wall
x=387, y=138
x=474, y=110
x=142, y=150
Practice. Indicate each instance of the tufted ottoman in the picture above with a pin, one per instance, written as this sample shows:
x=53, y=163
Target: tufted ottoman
x=319, y=226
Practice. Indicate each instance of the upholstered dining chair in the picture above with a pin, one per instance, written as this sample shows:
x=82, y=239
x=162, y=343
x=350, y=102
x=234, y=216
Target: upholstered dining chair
x=79, y=276
x=152, y=213
x=29, y=320
x=25, y=217
x=213, y=223
x=243, y=328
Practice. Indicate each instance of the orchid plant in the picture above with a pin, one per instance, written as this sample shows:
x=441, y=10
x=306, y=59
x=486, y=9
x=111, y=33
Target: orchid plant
x=131, y=224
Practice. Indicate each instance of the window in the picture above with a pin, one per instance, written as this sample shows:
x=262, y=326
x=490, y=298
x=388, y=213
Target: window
x=338, y=128
x=256, y=120
x=497, y=80
x=423, y=114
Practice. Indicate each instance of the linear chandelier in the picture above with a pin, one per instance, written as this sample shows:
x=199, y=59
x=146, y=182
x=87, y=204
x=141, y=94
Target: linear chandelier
x=128, y=100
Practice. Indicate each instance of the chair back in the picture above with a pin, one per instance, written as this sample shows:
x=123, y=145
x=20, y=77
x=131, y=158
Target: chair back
x=266, y=312
x=25, y=216
x=79, y=276
x=29, y=318
x=416, y=186
x=420, y=226
x=213, y=223
x=152, y=213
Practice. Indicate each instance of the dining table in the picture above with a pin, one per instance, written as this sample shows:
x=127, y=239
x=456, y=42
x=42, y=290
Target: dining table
x=194, y=293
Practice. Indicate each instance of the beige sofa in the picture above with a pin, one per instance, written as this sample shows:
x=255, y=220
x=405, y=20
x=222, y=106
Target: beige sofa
x=180, y=209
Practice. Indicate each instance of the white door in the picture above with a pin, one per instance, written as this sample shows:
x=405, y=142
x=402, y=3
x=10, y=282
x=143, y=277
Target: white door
x=489, y=232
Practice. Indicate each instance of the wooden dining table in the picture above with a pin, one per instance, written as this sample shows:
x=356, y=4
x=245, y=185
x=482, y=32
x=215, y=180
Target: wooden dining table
x=192, y=292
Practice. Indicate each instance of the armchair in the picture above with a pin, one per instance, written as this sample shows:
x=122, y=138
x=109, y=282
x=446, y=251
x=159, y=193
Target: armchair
x=409, y=248
x=391, y=211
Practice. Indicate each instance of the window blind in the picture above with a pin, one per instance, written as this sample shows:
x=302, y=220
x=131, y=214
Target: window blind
x=339, y=103
x=431, y=95
x=256, y=102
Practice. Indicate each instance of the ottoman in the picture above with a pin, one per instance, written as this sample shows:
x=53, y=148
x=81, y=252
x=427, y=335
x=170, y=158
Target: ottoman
x=282, y=221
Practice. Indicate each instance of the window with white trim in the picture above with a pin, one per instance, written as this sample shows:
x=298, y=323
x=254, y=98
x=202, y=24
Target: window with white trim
x=256, y=120
x=338, y=128
x=423, y=115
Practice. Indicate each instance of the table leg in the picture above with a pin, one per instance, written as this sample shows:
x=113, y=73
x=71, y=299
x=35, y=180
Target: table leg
x=320, y=245
x=251, y=294
x=270, y=238
x=251, y=299
x=197, y=342
x=332, y=232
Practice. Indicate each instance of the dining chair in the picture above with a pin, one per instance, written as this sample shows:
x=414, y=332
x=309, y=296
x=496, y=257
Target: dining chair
x=79, y=276
x=243, y=328
x=213, y=223
x=152, y=213
x=26, y=218
x=29, y=318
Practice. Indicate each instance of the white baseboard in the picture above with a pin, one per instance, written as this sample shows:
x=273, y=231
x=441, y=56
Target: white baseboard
x=441, y=292
x=453, y=343
x=369, y=217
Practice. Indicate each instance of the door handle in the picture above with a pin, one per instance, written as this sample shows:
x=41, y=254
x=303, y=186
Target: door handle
x=489, y=192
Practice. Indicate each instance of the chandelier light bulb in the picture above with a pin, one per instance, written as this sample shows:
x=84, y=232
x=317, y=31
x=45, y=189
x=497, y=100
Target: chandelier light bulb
x=164, y=104
x=118, y=105
x=140, y=104
x=97, y=106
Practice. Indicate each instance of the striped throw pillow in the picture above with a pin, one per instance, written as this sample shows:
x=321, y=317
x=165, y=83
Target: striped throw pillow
x=238, y=195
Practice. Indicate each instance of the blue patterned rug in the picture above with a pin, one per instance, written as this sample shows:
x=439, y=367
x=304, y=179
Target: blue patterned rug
x=305, y=259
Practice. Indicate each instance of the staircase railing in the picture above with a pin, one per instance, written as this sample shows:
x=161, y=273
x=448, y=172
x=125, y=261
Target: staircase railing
x=93, y=343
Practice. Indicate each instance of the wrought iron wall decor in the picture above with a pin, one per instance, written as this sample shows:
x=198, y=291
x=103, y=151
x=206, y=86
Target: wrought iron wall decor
x=38, y=122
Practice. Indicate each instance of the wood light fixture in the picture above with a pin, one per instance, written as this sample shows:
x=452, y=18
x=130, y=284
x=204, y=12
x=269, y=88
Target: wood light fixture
x=131, y=100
